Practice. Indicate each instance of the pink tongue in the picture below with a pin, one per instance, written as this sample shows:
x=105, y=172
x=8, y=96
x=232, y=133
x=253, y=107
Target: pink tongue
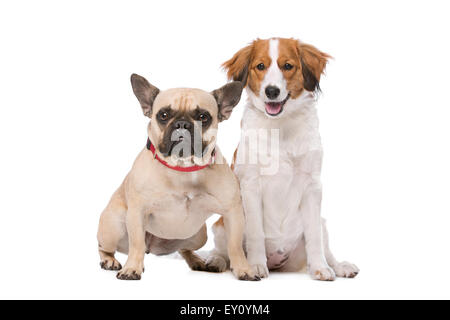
x=273, y=108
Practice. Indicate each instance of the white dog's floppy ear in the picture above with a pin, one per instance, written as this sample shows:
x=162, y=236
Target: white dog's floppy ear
x=144, y=92
x=237, y=67
x=227, y=98
x=313, y=63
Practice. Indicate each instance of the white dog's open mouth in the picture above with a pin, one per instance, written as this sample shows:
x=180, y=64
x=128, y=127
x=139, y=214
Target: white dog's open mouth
x=275, y=108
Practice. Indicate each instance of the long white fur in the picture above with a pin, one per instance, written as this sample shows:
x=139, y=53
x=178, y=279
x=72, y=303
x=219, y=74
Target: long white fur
x=282, y=207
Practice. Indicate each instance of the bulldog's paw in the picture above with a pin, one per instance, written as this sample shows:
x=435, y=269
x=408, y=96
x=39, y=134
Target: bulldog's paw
x=245, y=273
x=110, y=263
x=346, y=270
x=261, y=270
x=322, y=272
x=197, y=264
x=216, y=263
x=130, y=273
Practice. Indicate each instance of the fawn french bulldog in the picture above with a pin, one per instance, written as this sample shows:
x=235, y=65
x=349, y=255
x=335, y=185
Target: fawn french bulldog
x=177, y=181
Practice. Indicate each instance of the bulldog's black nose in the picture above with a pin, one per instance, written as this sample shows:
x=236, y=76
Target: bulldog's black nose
x=182, y=124
x=272, y=92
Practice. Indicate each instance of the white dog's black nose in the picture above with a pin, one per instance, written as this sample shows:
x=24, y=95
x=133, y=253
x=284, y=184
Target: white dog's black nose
x=182, y=124
x=272, y=92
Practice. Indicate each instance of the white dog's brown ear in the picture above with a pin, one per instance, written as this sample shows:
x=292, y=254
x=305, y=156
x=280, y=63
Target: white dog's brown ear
x=313, y=64
x=238, y=66
x=144, y=92
x=227, y=98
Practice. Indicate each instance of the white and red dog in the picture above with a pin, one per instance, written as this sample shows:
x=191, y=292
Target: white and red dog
x=280, y=188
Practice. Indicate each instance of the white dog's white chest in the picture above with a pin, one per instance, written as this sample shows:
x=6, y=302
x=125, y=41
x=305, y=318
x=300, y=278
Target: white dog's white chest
x=178, y=216
x=282, y=200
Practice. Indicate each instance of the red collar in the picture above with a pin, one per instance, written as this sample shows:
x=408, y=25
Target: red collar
x=151, y=147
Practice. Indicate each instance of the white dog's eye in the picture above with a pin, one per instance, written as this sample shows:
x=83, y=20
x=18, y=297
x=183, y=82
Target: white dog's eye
x=261, y=66
x=288, y=66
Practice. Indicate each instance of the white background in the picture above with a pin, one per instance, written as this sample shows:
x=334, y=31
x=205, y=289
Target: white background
x=71, y=127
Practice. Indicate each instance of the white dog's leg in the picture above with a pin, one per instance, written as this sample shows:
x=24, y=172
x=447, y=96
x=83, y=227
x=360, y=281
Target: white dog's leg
x=254, y=227
x=310, y=211
x=342, y=269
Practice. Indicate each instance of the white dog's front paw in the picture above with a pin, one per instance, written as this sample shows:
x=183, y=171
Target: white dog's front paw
x=322, y=272
x=346, y=270
x=261, y=270
x=259, y=265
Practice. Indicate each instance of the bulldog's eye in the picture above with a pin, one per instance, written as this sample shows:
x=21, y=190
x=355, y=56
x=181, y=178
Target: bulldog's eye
x=203, y=117
x=261, y=66
x=288, y=66
x=163, y=116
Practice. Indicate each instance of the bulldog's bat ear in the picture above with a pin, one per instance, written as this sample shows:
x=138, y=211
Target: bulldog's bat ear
x=144, y=92
x=227, y=98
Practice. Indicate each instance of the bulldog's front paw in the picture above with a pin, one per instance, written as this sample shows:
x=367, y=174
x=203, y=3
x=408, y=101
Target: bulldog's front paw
x=261, y=270
x=110, y=263
x=245, y=273
x=322, y=272
x=346, y=270
x=130, y=273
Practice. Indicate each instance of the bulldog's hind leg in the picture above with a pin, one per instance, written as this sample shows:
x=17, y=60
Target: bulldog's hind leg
x=194, y=261
x=218, y=260
x=111, y=232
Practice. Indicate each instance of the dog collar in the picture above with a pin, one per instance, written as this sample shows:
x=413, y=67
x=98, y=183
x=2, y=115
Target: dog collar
x=151, y=147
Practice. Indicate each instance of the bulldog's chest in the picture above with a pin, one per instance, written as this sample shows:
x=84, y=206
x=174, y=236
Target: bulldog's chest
x=179, y=215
